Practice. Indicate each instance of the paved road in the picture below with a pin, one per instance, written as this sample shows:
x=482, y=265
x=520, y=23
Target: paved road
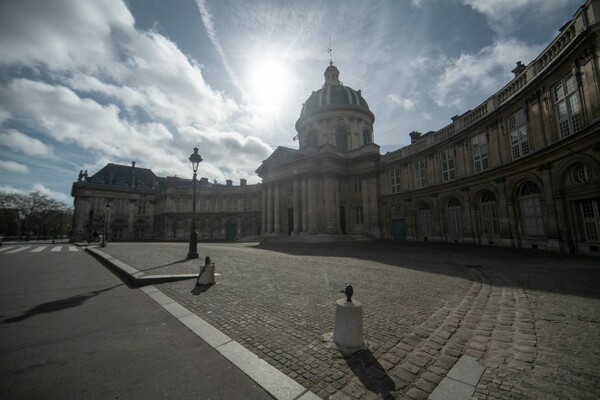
x=532, y=318
x=69, y=329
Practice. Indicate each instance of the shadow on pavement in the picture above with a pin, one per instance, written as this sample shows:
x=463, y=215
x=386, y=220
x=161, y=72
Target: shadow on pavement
x=166, y=265
x=371, y=374
x=57, y=305
x=199, y=289
x=530, y=269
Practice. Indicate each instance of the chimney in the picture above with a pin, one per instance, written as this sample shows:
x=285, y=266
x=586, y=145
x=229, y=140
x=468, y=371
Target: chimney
x=243, y=182
x=414, y=136
x=519, y=69
x=229, y=182
x=203, y=181
x=133, y=174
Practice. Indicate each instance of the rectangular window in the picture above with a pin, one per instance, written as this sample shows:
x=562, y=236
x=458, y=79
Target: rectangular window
x=479, y=145
x=489, y=216
x=517, y=131
x=590, y=212
x=141, y=209
x=533, y=220
x=455, y=221
x=358, y=214
x=421, y=174
x=120, y=206
x=357, y=185
x=248, y=203
x=566, y=103
x=447, y=161
x=395, y=180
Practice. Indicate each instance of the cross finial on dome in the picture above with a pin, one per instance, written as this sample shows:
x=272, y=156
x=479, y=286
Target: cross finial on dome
x=330, y=51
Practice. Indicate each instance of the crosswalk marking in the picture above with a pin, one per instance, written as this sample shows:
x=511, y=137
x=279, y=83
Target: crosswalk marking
x=18, y=249
x=38, y=249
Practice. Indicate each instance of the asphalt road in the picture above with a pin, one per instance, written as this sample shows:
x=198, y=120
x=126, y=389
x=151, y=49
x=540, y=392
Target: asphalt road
x=69, y=329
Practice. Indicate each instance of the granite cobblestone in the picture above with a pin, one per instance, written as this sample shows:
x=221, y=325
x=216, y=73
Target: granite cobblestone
x=532, y=319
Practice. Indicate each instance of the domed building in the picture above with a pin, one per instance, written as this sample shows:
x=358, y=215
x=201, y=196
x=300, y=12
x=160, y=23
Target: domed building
x=329, y=185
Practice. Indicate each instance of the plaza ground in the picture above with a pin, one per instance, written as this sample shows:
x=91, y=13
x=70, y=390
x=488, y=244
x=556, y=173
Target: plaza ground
x=530, y=317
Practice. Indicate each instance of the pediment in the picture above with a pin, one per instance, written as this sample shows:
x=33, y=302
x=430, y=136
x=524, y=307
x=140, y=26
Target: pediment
x=280, y=157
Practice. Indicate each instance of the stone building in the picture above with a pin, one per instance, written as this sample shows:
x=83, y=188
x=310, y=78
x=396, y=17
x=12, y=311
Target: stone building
x=146, y=207
x=522, y=170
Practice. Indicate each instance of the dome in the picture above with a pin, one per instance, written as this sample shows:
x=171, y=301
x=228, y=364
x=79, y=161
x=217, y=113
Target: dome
x=332, y=94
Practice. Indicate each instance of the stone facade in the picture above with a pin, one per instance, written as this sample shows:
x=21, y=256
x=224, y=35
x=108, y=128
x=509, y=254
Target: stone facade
x=521, y=170
x=146, y=207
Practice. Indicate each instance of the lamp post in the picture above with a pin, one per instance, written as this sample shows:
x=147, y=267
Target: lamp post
x=106, y=217
x=195, y=159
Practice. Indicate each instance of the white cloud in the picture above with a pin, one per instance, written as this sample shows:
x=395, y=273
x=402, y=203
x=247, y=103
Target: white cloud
x=406, y=103
x=62, y=197
x=503, y=16
x=22, y=143
x=13, y=166
x=52, y=193
x=469, y=79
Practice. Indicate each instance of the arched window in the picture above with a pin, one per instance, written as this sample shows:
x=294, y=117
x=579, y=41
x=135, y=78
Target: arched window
x=454, y=219
x=425, y=219
x=312, y=138
x=341, y=139
x=358, y=215
x=489, y=214
x=367, y=137
x=532, y=217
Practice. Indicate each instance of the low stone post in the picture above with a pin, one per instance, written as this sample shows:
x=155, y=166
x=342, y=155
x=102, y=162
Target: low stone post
x=348, y=328
x=207, y=273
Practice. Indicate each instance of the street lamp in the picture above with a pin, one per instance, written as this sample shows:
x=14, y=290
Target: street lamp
x=195, y=159
x=106, y=217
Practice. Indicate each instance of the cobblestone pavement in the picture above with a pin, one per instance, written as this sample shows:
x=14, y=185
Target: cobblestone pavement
x=531, y=318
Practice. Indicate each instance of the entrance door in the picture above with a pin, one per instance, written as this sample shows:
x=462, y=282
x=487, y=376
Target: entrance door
x=231, y=230
x=290, y=220
x=399, y=226
x=343, y=219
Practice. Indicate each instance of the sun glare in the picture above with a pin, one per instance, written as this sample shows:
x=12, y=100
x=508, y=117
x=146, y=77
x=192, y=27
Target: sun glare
x=269, y=84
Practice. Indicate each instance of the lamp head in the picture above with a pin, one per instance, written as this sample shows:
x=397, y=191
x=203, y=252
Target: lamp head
x=195, y=159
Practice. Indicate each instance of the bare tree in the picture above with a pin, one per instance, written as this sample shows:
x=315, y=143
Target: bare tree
x=38, y=214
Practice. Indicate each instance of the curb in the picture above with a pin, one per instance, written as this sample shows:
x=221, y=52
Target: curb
x=131, y=275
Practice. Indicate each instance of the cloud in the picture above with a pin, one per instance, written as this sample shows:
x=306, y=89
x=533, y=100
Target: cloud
x=117, y=93
x=405, y=103
x=39, y=187
x=503, y=16
x=22, y=143
x=12, y=166
x=469, y=79
x=62, y=197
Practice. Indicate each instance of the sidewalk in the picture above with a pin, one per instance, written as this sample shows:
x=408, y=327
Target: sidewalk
x=70, y=329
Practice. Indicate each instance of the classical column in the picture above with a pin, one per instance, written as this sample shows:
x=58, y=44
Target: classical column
x=312, y=206
x=269, y=209
x=551, y=220
x=304, y=204
x=276, y=203
x=264, y=210
x=296, y=200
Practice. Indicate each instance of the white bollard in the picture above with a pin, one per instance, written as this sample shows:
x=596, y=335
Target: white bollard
x=207, y=275
x=348, y=328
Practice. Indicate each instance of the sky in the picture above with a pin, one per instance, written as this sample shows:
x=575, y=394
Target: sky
x=84, y=83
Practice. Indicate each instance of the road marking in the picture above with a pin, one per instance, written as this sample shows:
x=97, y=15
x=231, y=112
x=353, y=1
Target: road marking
x=38, y=249
x=18, y=249
x=6, y=248
x=57, y=248
x=73, y=248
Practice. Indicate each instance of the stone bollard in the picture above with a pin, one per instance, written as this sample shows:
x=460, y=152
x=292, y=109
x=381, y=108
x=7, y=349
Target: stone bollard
x=348, y=328
x=207, y=273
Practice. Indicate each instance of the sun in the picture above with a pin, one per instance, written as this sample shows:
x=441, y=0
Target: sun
x=269, y=84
